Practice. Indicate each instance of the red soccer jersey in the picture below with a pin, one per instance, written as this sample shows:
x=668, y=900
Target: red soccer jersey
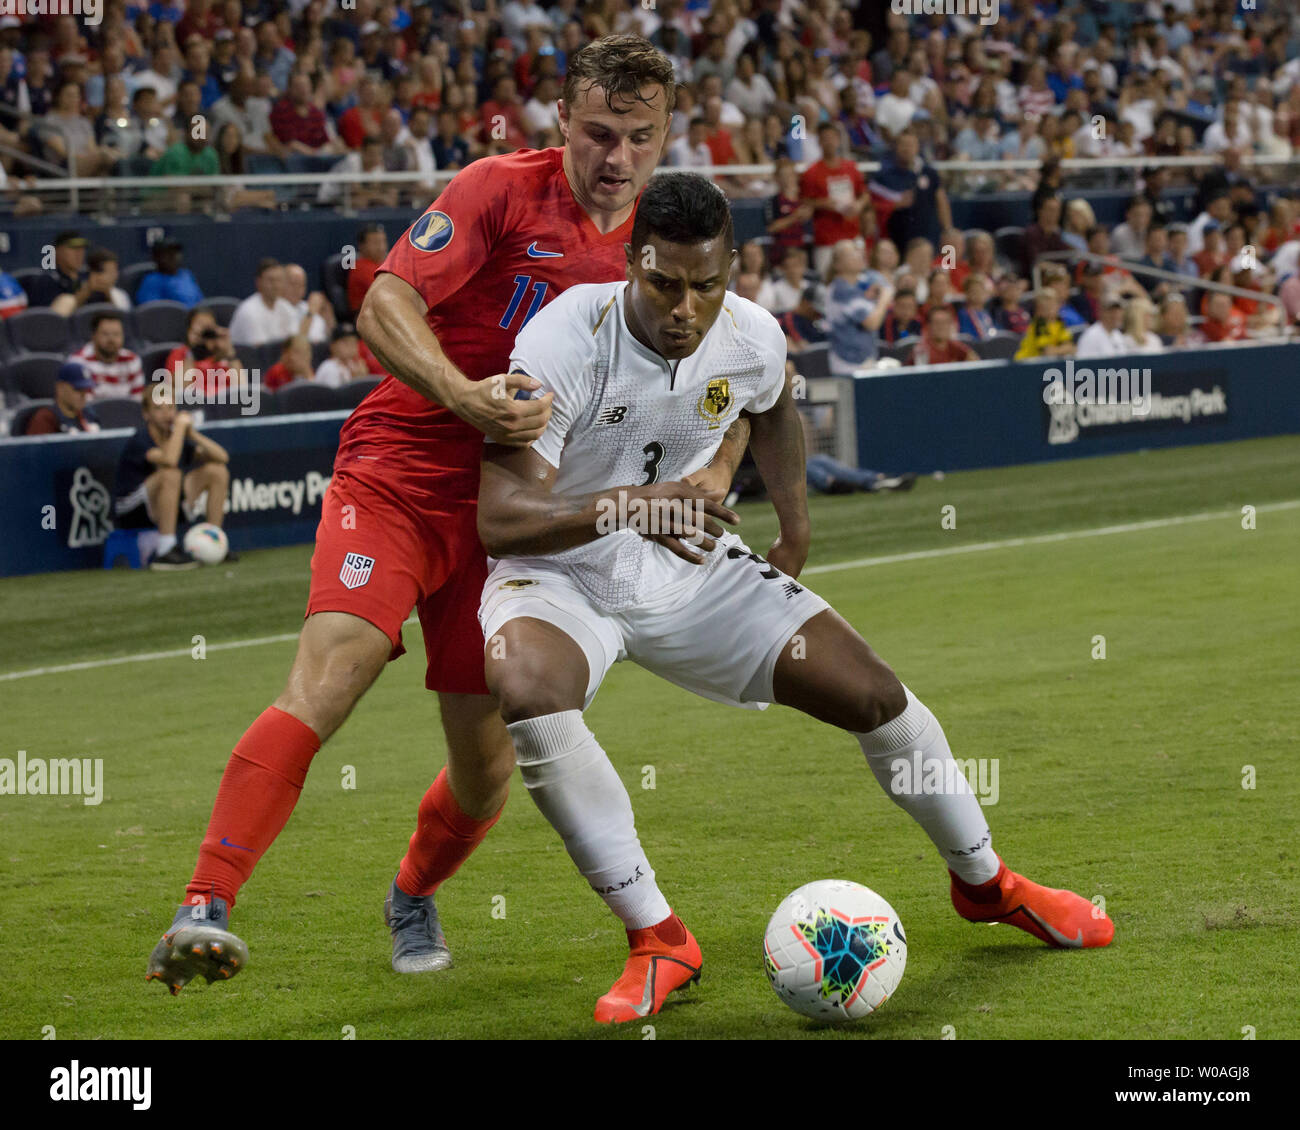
x=842, y=185
x=504, y=238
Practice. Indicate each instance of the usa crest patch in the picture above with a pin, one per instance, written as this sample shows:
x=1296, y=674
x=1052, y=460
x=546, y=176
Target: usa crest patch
x=356, y=570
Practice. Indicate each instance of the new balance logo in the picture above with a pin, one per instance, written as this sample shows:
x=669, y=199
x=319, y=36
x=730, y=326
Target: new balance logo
x=612, y=415
x=791, y=588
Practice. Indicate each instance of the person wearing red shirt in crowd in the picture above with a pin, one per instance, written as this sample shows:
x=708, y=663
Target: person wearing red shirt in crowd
x=398, y=524
x=294, y=364
x=69, y=412
x=718, y=139
x=207, y=353
x=838, y=196
x=362, y=120
x=1223, y=321
x=953, y=262
x=937, y=345
x=372, y=246
x=501, y=119
x=298, y=123
x=786, y=216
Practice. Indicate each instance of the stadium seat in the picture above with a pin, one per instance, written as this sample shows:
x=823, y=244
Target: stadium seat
x=334, y=282
x=813, y=362
x=83, y=318
x=161, y=321
x=353, y=393
x=999, y=347
x=6, y=349
x=129, y=277
x=307, y=396
x=223, y=309
x=901, y=350
x=153, y=356
x=1009, y=247
x=230, y=411
x=39, y=331
x=118, y=412
x=264, y=164
x=310, y=162
x=18, y=424
x=32, y=376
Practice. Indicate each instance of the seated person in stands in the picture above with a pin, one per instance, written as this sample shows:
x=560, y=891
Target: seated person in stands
x=69, y=412
x=901, y=320
x=314, y=306
x=267, y=315
x=168, y=460
x=169, y=279
x=12, y=296
x=1046, y=335
x=117, y=371
x=207, y=357
x=937, y=345
x=939, y=290
x=68, y=273
x=345, y=362
x=803, y=325
x=100, y=286
x=973, y=316
x=294, y=364
x=1174, y=328
x=1105, y=337
x=1084, y=308
x=1223, y=321
x=1008, y=315
x=372, y=247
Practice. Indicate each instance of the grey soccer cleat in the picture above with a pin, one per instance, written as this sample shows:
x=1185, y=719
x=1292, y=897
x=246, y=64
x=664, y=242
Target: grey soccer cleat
x=198, y=944
x=418, y=943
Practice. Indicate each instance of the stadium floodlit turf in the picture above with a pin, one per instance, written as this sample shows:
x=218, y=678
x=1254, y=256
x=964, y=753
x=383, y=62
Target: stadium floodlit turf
x=1119, y=777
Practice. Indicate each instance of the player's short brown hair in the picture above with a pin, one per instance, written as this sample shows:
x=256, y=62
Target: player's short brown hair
x=620, y=65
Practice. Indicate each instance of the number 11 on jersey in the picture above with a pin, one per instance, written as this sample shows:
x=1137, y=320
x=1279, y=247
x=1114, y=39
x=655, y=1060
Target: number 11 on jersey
x=521, y=288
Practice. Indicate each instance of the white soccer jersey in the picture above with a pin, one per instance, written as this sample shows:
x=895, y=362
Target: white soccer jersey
x=624, y=416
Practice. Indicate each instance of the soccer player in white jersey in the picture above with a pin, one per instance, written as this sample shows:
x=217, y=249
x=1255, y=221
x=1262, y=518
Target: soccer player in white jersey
x=646, y=375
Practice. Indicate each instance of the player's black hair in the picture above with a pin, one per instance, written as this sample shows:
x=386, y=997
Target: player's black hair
x=682, y=208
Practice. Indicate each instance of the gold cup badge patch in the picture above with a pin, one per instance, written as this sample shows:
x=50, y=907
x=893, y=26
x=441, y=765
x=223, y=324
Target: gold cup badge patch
x=715, y=402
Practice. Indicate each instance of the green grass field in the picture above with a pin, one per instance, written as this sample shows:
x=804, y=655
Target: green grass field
x=1120, y=777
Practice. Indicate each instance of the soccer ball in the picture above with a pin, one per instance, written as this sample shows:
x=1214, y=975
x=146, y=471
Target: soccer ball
x=207, y=543
x=834, y=950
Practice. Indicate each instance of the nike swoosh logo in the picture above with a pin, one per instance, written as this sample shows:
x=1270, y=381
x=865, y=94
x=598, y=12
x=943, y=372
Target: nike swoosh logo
x=533, y=253
x=226, y=843
x=648, y=997
x=1061, y=940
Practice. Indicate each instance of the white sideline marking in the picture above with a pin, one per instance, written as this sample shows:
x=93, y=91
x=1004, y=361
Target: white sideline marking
x=834, y=567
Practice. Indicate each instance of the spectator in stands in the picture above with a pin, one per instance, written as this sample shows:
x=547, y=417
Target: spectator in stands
x=169, y=279
x=297, y=122
x=1105, y=337
x=783, y=290
x=837, y=194
x=1223, y=320
x=903, y=318
x=1177, y=258
x=266, y=315
x=294, y=364
x=1218, y=211
x=937, y=345
x=68, y=273
x=372, y=248
x=939, y=289
x=233, y=162
x=68, y=137
x=803, y=326
x=1044, y=234
x=69, y=412
x=919, y=204
x=188, y=108
x=450, y=150
x=1086, y=305
x=362, y=120
x=1175, y=328
x=853, y=317
x=1128, y=240
x=361, y=194
x=973, y=316
x=154, y=129
x=207, y=358
x=273, y=57
x=242, y=107
x=501, y=119
x=542, y=115
x=168, y=460
x=1138, y=335
x=159, y=75
x=12, y=296
x=1079, y=220
x=116, y=370
x=691, y=151
x=344, y=364
x=100, y=285
x=313, y=308
x=1046, y=335
x=1008, y=314
x=1214, y=251
x=191, y=156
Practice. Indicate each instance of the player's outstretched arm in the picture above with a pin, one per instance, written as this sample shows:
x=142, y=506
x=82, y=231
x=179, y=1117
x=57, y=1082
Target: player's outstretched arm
x=519, y=516
x=776, y=440
x=392, y=323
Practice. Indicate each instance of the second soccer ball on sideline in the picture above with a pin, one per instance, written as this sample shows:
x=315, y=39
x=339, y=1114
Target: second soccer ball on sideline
x=207, y=543
x=834, y=951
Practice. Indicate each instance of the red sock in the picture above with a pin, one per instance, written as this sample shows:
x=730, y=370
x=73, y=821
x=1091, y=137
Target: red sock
x=259, y=788
x=986, y=892
x=444, y=838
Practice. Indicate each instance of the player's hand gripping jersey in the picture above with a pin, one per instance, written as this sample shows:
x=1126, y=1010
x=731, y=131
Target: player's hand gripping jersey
x=624, y=416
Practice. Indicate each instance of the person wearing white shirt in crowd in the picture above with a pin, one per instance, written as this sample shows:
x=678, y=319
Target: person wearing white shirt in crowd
x=518, y=15
x=314, y=306
x=158, y=77
x=1104, y=338
x=750, y=91
x=1138, y=335
x=266, y=315
x=1128, y=240
x=729, y=114
x=344, y=364
x=692, y=151
x=1217, y=213
x=415, y=138
x=1231, y=132
x=895, y=110
x=784, y=290
x=541, y=111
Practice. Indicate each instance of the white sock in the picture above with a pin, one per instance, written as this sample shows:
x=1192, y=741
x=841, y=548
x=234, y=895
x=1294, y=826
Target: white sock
x=166, y=542
x=950, y=816
x=571, y=780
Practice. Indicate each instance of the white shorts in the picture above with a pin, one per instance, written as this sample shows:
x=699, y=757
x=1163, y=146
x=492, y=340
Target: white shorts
x=719, y=638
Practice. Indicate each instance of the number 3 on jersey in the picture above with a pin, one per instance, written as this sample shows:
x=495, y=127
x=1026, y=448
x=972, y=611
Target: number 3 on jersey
x=516, y=300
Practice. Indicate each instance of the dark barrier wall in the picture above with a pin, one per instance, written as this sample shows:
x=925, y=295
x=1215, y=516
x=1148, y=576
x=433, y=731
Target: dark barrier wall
x=57, y=491
x=994, y=414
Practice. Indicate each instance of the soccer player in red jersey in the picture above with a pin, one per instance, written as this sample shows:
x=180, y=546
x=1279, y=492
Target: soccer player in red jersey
x=398, y=523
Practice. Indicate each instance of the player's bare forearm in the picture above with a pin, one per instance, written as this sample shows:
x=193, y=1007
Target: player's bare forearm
x=776, y=442
x=722, y=468
x=520, y=516
x=391, y=322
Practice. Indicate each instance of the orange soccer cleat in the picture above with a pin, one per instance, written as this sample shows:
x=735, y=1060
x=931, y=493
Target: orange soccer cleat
x=664, y=957
x=1059, y=918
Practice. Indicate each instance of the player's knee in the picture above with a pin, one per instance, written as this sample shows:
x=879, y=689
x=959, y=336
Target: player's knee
x=524, y=693
x=882, y=699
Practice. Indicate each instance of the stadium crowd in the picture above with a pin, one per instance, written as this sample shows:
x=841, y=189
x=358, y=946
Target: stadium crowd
x=792, y=94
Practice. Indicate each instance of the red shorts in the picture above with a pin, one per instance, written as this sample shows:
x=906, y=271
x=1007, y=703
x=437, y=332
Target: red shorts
x=377, y=557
